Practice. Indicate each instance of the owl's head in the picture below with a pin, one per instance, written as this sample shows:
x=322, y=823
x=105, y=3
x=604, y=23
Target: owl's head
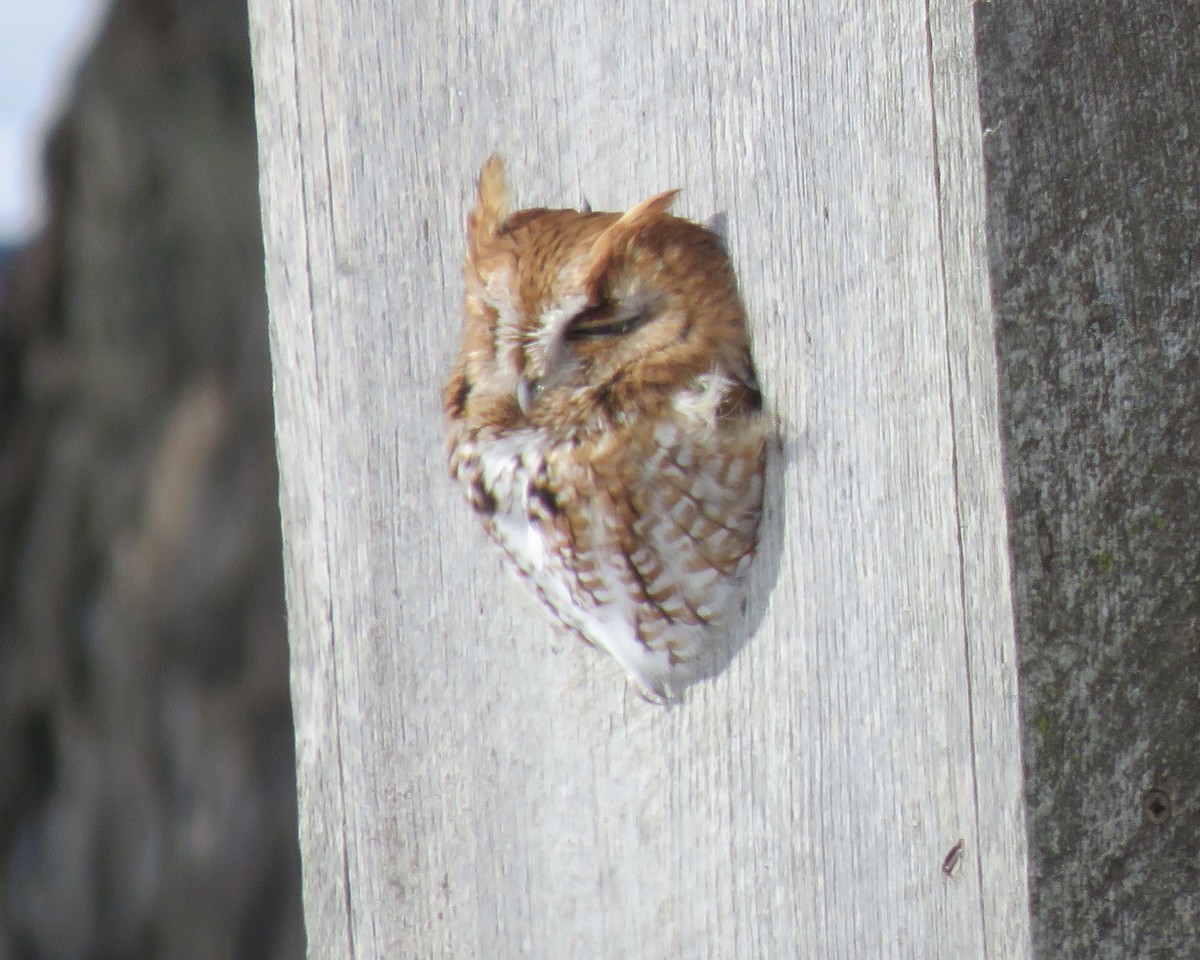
x=577, y=319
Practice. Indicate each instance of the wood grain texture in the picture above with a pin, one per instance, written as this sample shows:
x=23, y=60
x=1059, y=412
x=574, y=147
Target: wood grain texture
x=471, y=782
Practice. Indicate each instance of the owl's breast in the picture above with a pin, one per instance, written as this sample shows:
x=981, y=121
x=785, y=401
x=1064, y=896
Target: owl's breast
x=635, y=539
x=498, y=473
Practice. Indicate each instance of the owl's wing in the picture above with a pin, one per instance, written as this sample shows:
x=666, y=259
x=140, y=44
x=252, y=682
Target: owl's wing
x=653, y=534
x=697, y=515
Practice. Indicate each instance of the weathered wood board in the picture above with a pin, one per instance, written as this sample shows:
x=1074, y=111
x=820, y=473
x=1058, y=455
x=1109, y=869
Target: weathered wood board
x=473, y=784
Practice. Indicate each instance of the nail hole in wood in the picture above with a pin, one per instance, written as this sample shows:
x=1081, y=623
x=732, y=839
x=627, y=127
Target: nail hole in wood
x=1157, y=806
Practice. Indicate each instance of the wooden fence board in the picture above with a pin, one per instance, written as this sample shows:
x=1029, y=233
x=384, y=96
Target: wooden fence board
x=474, y=784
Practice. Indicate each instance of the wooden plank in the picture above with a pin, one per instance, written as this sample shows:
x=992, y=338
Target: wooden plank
x=474, y=784
x=293, y=210
x=1092, y=155
x=986, y=584
x=987, y=588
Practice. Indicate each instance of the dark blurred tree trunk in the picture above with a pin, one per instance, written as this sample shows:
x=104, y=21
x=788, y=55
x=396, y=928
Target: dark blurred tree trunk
x=147, y=804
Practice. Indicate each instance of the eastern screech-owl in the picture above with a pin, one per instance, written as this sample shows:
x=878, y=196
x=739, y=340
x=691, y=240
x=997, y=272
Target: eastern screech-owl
x=606, y=422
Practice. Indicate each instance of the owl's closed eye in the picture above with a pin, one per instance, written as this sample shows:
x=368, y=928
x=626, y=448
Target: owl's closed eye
x=606, y=423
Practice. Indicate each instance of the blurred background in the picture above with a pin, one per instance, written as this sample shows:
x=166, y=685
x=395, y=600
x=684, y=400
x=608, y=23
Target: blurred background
x=147, y=791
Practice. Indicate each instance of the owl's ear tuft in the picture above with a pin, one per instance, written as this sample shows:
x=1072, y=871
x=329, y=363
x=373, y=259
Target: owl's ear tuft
x=616, y=238
x=491, y=208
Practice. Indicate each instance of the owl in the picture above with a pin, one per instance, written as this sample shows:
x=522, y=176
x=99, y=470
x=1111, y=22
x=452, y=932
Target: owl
x=606, y=424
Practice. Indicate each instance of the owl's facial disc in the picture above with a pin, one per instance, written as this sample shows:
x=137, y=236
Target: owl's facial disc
x=573, y=345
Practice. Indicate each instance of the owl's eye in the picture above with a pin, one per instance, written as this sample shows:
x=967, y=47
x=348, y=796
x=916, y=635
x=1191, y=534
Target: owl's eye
x=604, y=319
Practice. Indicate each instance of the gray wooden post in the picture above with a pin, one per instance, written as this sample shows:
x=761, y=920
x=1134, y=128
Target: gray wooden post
x=474, y=784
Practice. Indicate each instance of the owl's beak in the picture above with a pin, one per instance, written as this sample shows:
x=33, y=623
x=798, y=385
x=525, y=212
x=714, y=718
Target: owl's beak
x=527, y=392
